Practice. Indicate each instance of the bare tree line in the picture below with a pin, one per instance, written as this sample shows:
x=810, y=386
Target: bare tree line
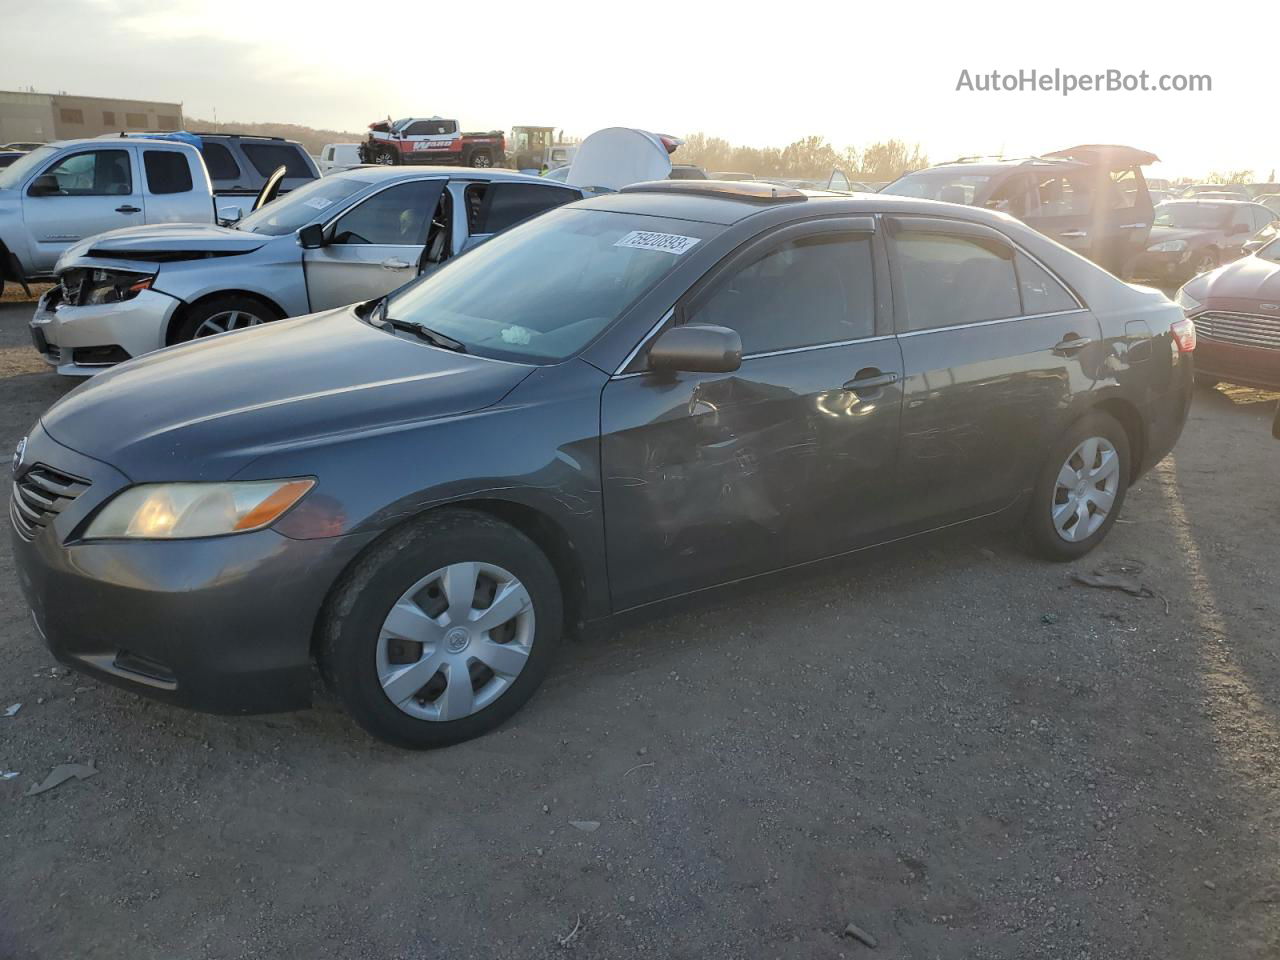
x=805, y=158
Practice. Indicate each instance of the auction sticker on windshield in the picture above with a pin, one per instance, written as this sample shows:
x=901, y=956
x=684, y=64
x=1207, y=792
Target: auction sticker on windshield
x=666, y=242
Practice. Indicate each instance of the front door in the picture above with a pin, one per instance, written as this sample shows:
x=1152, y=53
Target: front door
x=994, y=350
x=1124, y=217
x=98, y=190
x=1061, y=206
x=374, y=247
x=710, y=477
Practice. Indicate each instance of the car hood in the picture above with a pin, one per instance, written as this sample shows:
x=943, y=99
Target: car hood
x=165, y=241
x=1250, y=278
x=204, y=410
x=1165, y=234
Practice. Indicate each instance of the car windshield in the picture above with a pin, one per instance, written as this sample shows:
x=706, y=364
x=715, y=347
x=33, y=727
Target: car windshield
x=299, y=207
x=542, y=291
x=1271, y=251
x=1192, y=216
x=949, y=185
x=17, y=171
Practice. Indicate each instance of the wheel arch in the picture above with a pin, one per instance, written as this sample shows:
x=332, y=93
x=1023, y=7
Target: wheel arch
x=1127, y=414
x=548, y=535
x=184, y=308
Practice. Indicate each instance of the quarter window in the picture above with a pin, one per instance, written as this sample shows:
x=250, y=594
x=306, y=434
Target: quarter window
x=397, y=216
x=1041, y=293
x=949, y=279
x=94, y=173
x=806, y=292
x=167, y=171
x=265, y=157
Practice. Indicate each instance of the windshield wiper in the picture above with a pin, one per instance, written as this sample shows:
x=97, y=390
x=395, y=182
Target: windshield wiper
x=378, y=318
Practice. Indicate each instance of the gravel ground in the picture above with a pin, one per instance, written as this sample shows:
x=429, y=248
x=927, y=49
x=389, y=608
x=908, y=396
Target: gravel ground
x=948, y=744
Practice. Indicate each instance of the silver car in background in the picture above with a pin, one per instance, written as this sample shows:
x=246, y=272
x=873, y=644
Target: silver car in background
x=342, y=239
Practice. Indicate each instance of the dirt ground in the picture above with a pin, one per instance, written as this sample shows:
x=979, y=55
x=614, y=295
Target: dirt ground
x=949, y=744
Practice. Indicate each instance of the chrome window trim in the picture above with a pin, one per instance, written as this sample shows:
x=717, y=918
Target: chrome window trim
x=369, y=196
x=618, y=374
x=988, y=323
x=816, y=346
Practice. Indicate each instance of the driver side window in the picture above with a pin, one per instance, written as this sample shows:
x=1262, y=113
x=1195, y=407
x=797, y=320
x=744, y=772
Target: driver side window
x=397, y=216
x=94, y=173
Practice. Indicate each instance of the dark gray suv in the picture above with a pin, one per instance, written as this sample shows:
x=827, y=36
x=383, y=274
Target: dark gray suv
x=622, y=401
x=239, y=164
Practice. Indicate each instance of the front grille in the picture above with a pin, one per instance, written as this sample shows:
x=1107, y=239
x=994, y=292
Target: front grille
x=1242, y=329
x=39, y=495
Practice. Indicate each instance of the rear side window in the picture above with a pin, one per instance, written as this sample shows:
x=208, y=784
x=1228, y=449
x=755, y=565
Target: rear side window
x=949, y=279
x=265, y=157
x=1041, y=293
x=167, y=171
x=804, y=293
x=1061, y=196
x=222, y=165
x=398, y=216
x=501, y=205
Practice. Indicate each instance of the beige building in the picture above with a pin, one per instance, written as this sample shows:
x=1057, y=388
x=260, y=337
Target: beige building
x=57, y=116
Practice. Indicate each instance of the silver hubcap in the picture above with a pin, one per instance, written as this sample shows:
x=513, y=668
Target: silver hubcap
x=383, y=158
x=455, y=641
x=480, y=161
x=226, y=321
x=1086, y=489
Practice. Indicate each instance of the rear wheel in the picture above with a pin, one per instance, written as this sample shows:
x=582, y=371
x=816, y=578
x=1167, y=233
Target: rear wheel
x=223, y=315
x=1080, y=490
x=443, y=631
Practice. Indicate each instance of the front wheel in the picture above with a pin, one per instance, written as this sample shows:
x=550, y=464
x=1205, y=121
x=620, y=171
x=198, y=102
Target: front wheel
x=481, y=158
x=1080, y=490
x=443, y=630
x=223, y=314
x=1205, y=261
x=386, y=157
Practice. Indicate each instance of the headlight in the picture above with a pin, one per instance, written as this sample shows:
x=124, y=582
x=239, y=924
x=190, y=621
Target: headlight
x=113, y=286
x=1186, y=301
x=1169, y=246
x=176, y=511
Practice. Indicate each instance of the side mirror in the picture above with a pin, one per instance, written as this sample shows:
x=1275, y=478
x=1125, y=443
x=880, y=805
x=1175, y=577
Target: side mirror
x=697, y=348
x=311, y=236
x=230, y=215
x=1253, y=246
x=44, y=186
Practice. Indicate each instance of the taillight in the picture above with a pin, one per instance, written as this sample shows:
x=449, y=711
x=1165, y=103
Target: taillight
x=1184, y=334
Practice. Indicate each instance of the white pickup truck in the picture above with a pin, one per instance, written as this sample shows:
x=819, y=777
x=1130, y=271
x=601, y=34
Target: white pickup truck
x=60, y=193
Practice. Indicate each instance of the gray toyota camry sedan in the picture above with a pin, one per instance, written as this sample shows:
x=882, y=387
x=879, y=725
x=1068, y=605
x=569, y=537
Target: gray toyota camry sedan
x=624, y=400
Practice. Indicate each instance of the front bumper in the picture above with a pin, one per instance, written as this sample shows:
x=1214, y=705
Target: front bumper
x=1235, y=363
x=222, y=624
x=1164, y=267
x=83, y=340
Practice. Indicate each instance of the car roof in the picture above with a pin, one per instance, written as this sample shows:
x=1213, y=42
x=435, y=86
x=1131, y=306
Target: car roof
x=375, y=173
x=723, y=202
x=990, y=167
x=112, y=138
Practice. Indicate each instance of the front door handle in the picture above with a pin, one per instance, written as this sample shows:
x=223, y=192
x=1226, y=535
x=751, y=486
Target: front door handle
x=1071, y=344
x=1133, y=226
x=873, y=380
x=128, y=208
x=393, y=263
x=1074, y=233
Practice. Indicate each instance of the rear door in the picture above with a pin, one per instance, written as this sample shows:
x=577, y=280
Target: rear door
x=373, y=247
x=1123, y=222
x=710, y=477
x=994, y=350
x=99, y=189
x=1061, y=206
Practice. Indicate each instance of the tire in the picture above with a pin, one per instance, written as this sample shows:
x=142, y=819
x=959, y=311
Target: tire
x=1206, y=382
x=1205, y=261
x=234, y=312
x=359, y=654
x=386, y=157
x=481, y=158
x=1052, y=501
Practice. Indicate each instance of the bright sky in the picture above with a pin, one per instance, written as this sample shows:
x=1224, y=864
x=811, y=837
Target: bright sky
x=761, y=78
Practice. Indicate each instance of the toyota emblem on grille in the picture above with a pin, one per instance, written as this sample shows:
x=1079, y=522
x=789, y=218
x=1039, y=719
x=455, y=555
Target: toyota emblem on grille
x=18, y=454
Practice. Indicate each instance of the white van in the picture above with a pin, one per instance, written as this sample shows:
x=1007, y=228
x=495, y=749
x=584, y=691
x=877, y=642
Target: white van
x=338, y=156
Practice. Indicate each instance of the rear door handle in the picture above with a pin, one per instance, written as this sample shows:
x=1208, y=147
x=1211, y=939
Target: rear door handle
x=872, y=381
x=128, y=208
x=393, y=263
x=1074, y=233
x=1071, y=345
x=1133, y=226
